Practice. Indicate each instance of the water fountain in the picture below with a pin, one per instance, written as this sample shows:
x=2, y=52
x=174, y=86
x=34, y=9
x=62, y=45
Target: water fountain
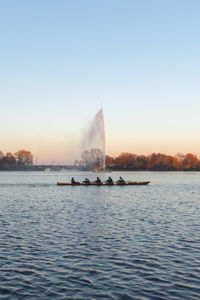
x=94, y=143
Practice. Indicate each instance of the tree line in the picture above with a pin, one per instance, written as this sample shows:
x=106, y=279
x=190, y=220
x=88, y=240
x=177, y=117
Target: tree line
x=153, y=162
x=21, y=159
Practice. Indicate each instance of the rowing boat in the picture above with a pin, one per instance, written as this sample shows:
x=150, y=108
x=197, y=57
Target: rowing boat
x=107, y=184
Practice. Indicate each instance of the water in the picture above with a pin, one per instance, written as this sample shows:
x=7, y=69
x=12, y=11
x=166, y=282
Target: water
x=136, y=242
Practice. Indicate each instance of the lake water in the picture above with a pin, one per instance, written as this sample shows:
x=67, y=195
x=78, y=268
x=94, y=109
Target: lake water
x=65, y=242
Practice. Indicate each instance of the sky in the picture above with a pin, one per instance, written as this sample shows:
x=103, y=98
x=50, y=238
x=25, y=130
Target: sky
x=61, y=60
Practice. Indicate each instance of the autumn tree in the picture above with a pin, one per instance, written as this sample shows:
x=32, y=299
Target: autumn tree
x=125, y=160
x=154, y=162
x=140, y=162
x=190, y=161
x=24, y=157
x=110, y=162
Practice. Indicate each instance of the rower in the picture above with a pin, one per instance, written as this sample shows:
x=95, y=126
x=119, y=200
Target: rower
x=73, y=181
x=87, y=181
x=98, y=180
x=121, y=180
x=109, y=180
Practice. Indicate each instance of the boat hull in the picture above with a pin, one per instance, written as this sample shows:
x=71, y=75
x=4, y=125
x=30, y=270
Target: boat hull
x=105, y=184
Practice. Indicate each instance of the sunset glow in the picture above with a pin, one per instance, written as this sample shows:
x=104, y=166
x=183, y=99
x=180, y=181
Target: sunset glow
x=55, y=75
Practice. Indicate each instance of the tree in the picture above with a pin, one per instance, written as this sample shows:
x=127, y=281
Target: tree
x=24, y=157
x=10, y=159
x=1, y=155
x=126, y=161
x=86, y=157
x=109, y=161
x=140, y=162
x=93, y=159
x=96, y=158
x=190, y=161
x=1, y=159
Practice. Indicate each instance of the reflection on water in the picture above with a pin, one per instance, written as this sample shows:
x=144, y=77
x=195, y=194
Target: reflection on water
x=136, y=242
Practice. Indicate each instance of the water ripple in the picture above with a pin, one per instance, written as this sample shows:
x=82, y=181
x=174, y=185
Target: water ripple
x=110, y=243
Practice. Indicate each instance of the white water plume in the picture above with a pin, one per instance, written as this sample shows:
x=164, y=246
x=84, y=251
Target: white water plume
x=94, y=143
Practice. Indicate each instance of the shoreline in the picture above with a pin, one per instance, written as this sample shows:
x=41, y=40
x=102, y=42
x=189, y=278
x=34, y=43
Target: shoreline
x=107, y=171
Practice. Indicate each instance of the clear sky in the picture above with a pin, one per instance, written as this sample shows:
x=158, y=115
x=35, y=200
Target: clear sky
x=59, y=60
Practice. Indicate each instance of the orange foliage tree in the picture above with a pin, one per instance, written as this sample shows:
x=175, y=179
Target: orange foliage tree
x=24, y=157
x=190, y=161
x=154, y=162
x=110, y=162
